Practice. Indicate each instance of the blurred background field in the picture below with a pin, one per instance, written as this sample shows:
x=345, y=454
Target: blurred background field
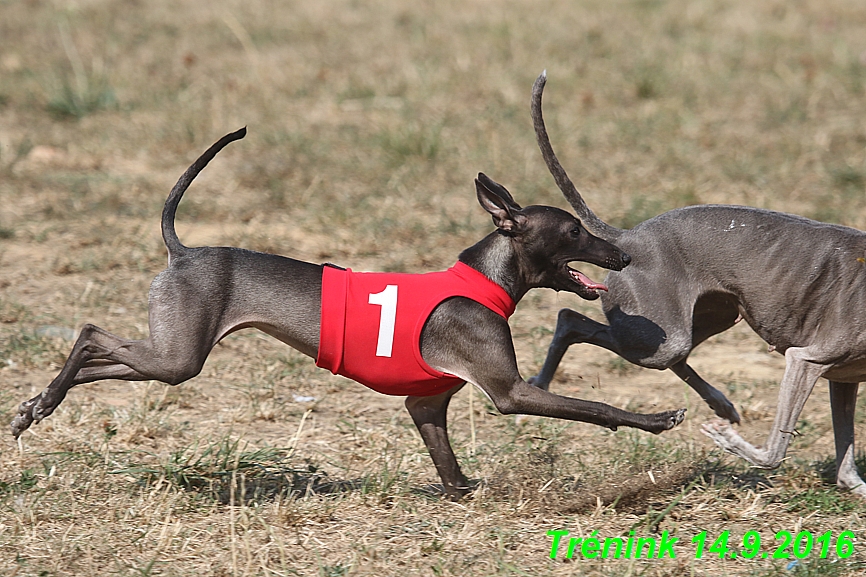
x=367, y=123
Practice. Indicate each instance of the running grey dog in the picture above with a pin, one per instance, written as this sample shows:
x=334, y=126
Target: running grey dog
x=209, y=292
x=696, y=271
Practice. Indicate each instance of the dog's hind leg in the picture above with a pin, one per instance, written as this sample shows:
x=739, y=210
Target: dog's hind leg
x=97, y=355
x=797, y=384
x=843, y=401
x=429, y=415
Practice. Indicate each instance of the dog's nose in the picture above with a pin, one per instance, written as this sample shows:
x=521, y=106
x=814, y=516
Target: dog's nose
x=625, y=259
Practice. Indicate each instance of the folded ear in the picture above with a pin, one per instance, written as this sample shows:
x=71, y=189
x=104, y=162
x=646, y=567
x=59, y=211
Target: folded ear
x=495, y=198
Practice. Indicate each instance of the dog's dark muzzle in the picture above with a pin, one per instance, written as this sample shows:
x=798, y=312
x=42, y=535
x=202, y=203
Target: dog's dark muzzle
x=614, y=263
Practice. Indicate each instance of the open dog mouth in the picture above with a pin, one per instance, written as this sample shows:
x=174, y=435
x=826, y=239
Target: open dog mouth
x=584, y=281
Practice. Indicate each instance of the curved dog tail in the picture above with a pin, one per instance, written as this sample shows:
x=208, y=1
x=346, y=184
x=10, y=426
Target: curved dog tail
x=594, y=224
x=172, y=243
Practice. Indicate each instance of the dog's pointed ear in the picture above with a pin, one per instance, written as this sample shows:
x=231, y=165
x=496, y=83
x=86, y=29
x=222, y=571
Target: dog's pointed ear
x=495, y=198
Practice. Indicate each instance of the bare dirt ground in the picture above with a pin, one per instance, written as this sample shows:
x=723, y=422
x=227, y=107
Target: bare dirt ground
x=368, y=122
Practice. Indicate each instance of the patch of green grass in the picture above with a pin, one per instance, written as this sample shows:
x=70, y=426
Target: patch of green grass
x=854, y=77
x=527, y=456
x=227, y=472
x=356, y=92
x=388, y=480
x=641, y=208
x=337, y=570
x=12, y=312
x=744, y=169
x=639, y=451
x=826, y=468
x=77, y=100
x=48, y=463
x=649, y=79
x=29, y=349
x=844, y=201
x=810, y=567
x=848, y=177
x=785, y=112
x=26, y=482
x=826, y=500
x=737, y=475
x=647, y=87
x=81, y=91
x=411, y=141
x=147, y=569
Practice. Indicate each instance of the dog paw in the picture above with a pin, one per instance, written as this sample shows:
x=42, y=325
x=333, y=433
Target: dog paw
x=19, y=425
x=849, y=479
x=43, y=408
x=722, y=434
x=715, y=428
x=668, y=420
x=725, y=409
x=24, y=418
x=675, y=418
x=725, y=437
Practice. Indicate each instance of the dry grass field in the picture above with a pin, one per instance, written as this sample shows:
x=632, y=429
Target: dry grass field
x=367, y=123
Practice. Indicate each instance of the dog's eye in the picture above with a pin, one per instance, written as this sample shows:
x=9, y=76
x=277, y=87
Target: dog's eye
x=575, y=231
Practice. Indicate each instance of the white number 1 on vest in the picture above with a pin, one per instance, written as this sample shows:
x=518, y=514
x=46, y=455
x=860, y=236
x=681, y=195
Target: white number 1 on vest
x=387, y=299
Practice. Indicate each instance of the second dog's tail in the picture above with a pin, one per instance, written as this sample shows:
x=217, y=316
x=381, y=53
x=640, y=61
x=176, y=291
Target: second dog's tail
x=594, y=224
x=172, y=243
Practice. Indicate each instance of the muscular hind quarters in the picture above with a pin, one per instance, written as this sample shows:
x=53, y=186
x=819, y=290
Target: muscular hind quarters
x=100, y=353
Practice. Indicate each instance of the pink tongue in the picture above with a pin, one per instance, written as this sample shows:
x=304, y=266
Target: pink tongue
x=587, y=282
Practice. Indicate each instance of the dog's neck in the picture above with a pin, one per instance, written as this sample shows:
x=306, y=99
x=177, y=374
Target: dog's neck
x=494, y=257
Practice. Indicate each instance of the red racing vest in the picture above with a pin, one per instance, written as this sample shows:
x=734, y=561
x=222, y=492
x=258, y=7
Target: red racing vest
x=371, y=324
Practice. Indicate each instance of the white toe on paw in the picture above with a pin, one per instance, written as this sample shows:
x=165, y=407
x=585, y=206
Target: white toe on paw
x=719, y=431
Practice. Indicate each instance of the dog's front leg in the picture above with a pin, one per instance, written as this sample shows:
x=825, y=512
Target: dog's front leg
x=512, y=395
x=429, y=414
x=484, y=354
x=571, y=328
x=518, y=397
x=717, y=401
